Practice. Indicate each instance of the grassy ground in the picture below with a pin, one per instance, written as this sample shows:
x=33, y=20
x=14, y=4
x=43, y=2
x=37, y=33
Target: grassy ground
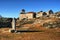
x=48, y=34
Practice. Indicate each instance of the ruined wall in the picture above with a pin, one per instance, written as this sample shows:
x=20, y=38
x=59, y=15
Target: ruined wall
x=31, y=15
x=39, y=14
x=22, y=16
x=28, y=15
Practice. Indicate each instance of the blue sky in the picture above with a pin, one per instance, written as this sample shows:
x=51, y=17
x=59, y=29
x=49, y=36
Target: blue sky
x=12, y=8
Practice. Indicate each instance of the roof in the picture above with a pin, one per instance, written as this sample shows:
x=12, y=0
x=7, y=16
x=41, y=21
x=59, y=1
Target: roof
x=30, y=12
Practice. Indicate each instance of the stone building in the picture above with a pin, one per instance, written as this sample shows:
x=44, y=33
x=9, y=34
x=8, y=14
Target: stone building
x=57, y=14
x=31, y=15
x=22, y=14
x=28, y=15
x=40, y=14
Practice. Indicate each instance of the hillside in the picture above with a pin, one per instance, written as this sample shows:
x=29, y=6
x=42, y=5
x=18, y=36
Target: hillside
x=49, y=29
x=38, y=23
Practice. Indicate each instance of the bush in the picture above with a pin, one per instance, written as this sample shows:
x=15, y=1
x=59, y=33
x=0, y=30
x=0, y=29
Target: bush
x=52, y=24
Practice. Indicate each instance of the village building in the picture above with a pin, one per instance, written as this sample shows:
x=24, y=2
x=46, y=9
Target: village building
x=52, y=15
x=27, y=15
x=31, y=15
x=57, y=14
x=22, y=14
x=40, y=14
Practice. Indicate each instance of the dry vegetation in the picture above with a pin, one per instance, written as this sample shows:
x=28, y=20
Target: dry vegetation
x=47, y=34
x=44, y=34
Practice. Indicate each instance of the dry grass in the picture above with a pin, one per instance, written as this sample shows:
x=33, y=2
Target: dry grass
x=45, y=34
x=48, y=34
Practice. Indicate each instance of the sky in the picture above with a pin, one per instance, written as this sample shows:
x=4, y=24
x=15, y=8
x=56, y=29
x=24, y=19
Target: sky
x=12, y=8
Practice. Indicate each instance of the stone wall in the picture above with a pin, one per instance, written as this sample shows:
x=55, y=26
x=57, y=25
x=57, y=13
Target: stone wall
x=28, y=15
x=22, y=16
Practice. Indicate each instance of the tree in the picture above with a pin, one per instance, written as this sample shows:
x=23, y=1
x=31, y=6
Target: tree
x=23, y=11
x=50, y=12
